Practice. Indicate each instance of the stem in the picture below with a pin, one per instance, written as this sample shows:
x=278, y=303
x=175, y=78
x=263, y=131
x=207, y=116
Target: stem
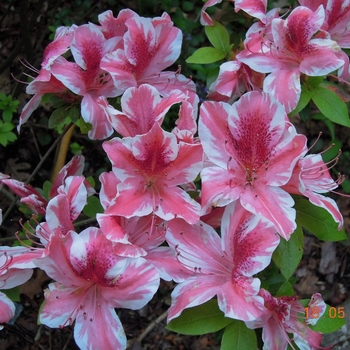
x=62, y=153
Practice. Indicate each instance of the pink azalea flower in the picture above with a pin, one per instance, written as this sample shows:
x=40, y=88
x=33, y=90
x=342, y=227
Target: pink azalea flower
x=112, y=27
x=45, y=82
x=142, y=107
x=33, y=199
x=336, y=20
x=259, y=35
x=223, y=266
x=255, y=8
x=30, y=197
x=316, y=309
x=150, y=46
x=87, y=79
x=335, y=27
x=205, y=18
x=311, y=178
x=253, y=151
x=234, y=79
x=150, y=168
x=39, y=89
x=63, y=209
x=91, y=281
x=137, y=236
x=186, y=124
x=7, y=309
x=16, y=267
x=281, y=317
x=294, y=52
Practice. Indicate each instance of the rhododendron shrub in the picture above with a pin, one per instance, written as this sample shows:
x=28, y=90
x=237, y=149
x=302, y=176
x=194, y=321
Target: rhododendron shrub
x=221, y=213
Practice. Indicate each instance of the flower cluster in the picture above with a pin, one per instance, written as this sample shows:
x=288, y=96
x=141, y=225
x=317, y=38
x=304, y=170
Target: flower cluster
x=157, y=220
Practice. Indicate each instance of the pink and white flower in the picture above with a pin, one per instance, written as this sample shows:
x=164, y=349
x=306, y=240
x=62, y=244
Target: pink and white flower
x=150, y=168
x=253, y=150
x=281, y=317
x=45, y=82
x=337, y=19
x=311, y=178
x=234, y=79
x=142, y=107
x=91, y=281
x=255, y=8
x=293, y=52
x=16, y=267
x=150, y=46
x=84, y=77
x=223, y=266
x=33, y=199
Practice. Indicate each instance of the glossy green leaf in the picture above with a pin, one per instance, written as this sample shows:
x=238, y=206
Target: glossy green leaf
x=12, y=293
x=288, y=254
x=313, y=82
x=237, y=337
x=286, y=289
x=206, y=55
x=317, y=221
x=218, y=37
x=202, y=319
x=331, y=105
x=83, y=126
x=304, y=99
x=92, y=207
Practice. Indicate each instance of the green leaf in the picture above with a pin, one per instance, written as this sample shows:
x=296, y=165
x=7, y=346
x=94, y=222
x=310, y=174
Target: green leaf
x=286, y=289
x=11, y=136
x=318, y=221
x=202, y=319
x=83, y=126
x=237, y=337
x=218, y=37
x=305, y=98
x=58, y=116
x=6, y=127
x=313, y=82
x=346, y=186
x=47, y=188
x=206, y=55
x=7, y=115
x=74, y=113
x=331, y=106
x=12, y=293
x=332, y=320
x=289, y=253
x=92, y=207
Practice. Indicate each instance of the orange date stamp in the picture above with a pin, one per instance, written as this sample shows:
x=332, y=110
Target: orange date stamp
x=332, y=312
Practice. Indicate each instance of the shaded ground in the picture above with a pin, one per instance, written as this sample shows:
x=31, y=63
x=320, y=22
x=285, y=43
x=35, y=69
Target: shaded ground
x=325, y=267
